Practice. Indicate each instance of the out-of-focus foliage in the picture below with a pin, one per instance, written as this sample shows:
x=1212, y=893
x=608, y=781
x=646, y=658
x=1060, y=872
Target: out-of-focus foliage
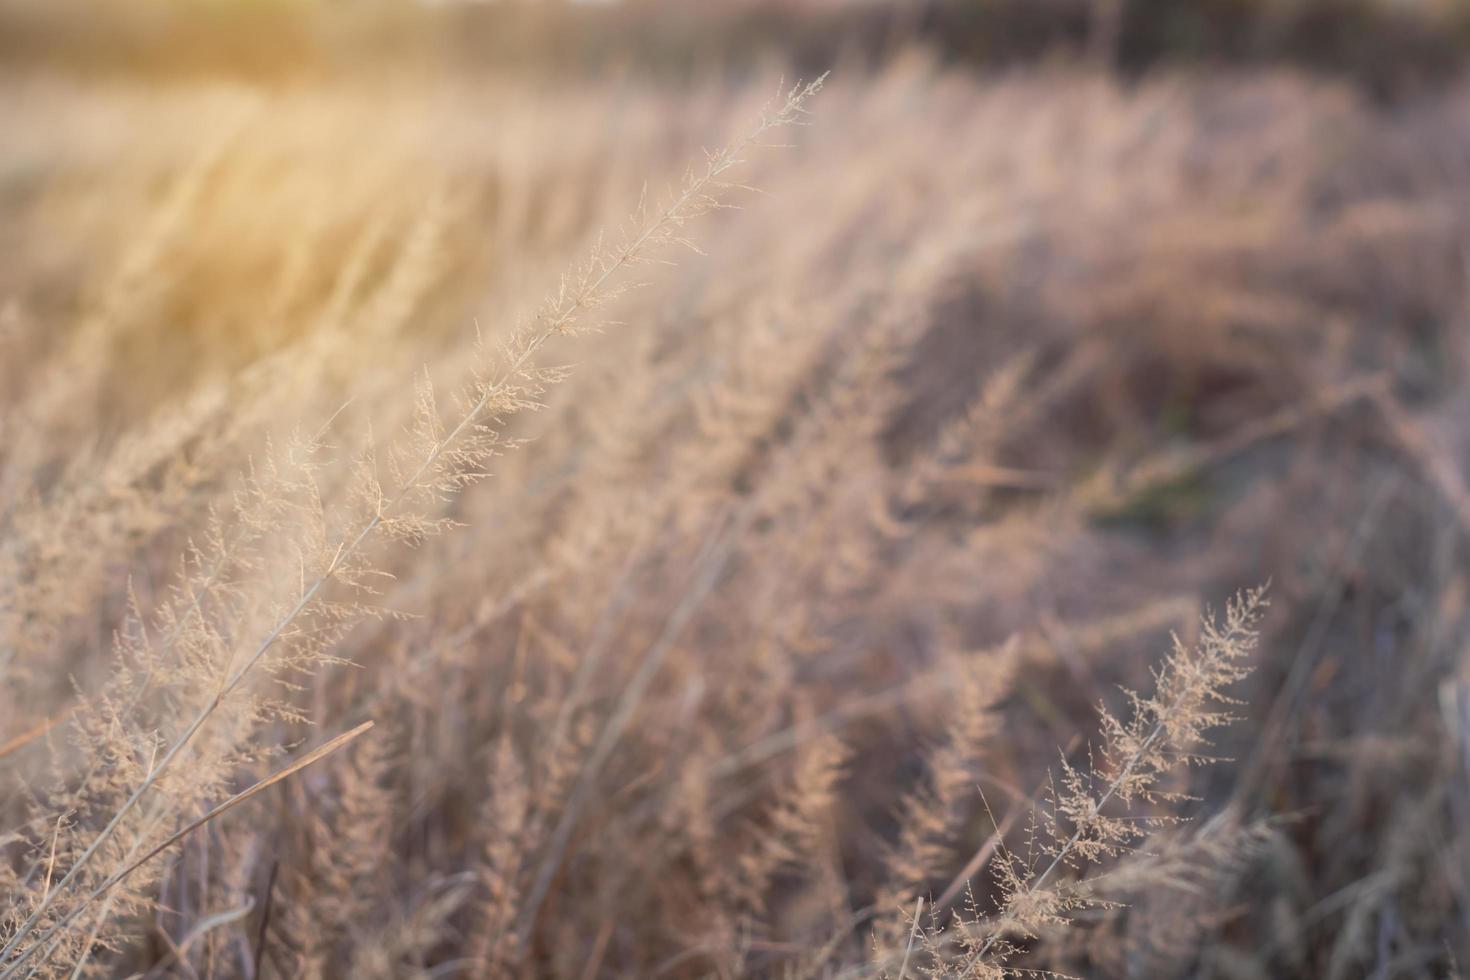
x=747, y=615
x=1391, y=47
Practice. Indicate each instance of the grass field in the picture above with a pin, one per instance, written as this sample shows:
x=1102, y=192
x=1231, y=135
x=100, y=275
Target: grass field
x=579, y=514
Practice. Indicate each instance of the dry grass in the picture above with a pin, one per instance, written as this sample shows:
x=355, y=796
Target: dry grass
x=722, y=612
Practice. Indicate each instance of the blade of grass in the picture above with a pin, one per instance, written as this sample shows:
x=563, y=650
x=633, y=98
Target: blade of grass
x=314, y=756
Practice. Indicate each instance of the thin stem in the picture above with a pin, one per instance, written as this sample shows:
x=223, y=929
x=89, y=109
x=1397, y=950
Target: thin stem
x=683, y=206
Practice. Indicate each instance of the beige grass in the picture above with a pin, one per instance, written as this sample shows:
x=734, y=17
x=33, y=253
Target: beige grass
x=727, y=617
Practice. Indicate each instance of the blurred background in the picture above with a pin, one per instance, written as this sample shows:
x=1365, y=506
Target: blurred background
x=1389, y=47
x=1057, y=324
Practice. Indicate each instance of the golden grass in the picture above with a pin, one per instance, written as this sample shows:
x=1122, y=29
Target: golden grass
x=722, y=611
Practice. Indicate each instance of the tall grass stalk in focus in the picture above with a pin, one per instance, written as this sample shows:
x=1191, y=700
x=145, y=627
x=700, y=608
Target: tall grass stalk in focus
x=440, y=461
